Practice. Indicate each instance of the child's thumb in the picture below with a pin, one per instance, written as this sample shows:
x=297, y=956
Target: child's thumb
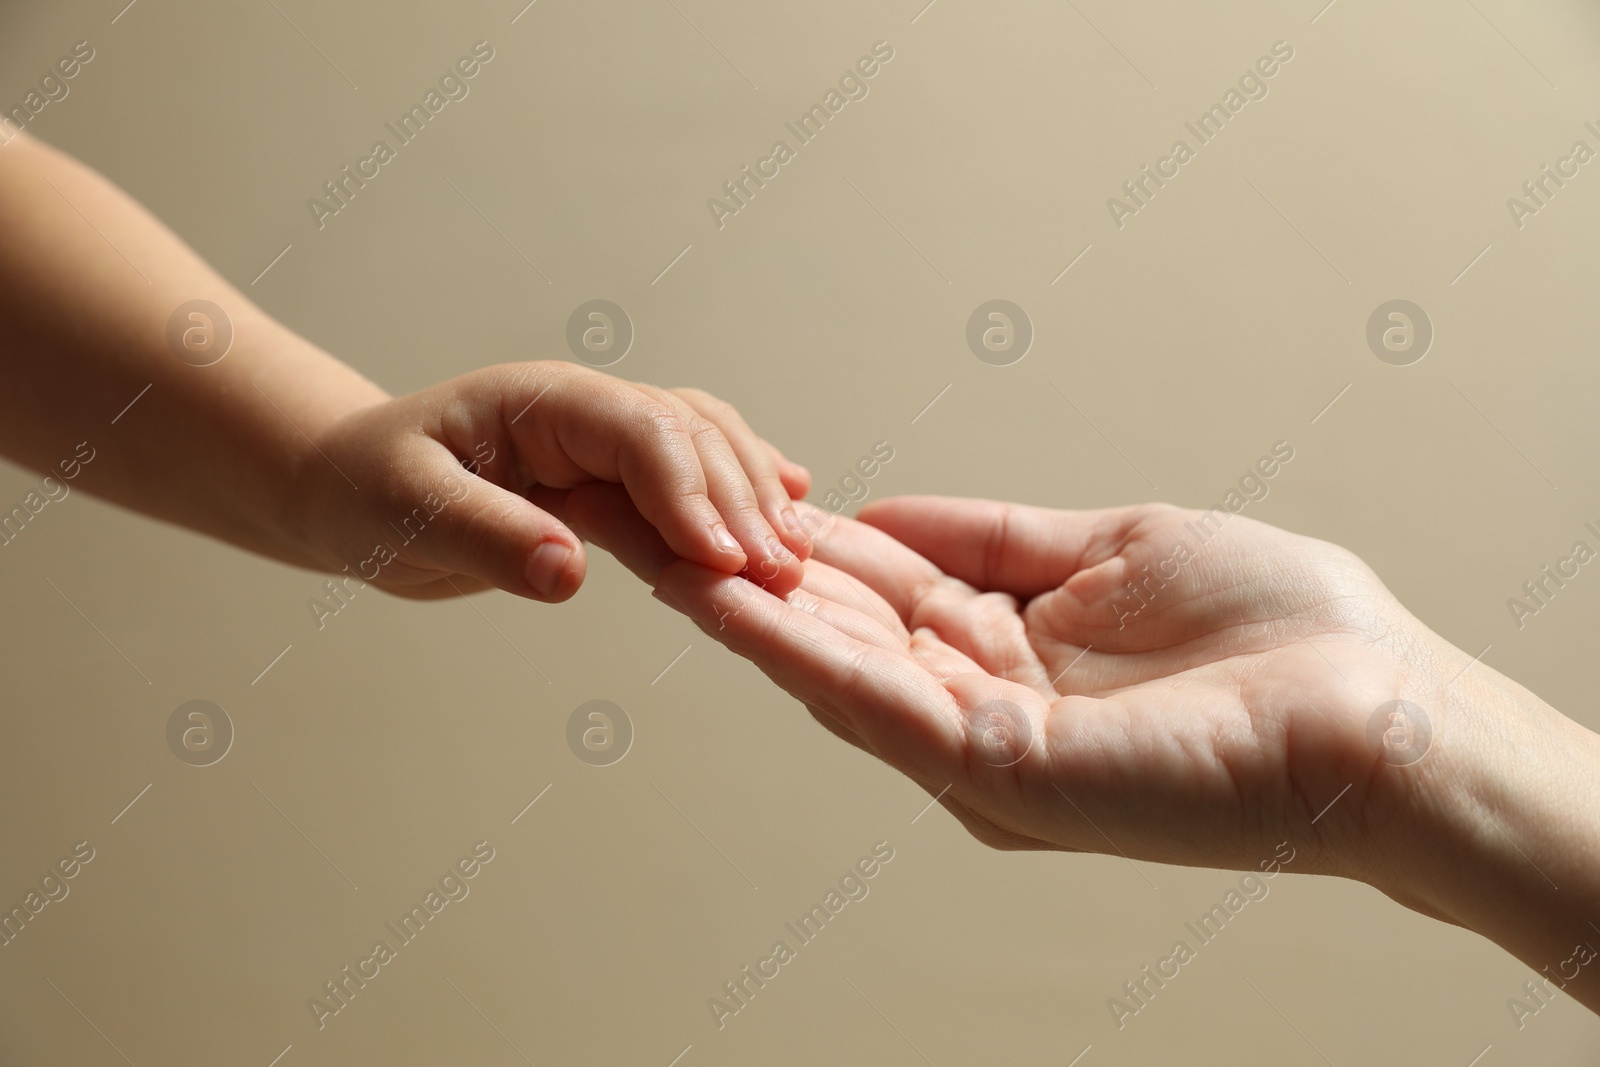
x=498, y=537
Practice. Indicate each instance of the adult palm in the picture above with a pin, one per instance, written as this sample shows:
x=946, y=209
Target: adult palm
x=1141, y=680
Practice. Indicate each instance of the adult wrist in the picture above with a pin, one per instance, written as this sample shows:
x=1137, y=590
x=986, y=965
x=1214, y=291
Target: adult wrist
x=1501, y=827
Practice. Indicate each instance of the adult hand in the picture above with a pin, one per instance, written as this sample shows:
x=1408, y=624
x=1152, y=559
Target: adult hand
x=1141, y=680
x=1173, y=686
x=1194, y=687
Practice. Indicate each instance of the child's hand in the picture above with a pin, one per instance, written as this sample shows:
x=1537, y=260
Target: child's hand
x=384, y=491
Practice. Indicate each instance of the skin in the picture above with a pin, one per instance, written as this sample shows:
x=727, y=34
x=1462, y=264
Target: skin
x=1227, y=714
x=993, y=653
x=281, y=449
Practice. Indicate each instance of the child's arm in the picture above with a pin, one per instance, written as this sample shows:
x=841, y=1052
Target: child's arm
x=281, y=449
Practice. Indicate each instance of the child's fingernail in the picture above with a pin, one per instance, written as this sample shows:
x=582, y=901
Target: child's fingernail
x=724, y=539
x=547, y=566
x=778, y=550
x=667, y=599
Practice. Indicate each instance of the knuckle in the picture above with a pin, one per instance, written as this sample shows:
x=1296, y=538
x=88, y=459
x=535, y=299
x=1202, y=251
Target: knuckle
x=511, y=380
x=534, y=375
x=743, y=514
x=704, y=431
x=660, y=452
x=769, y=488
x=682, y=493
x=800, y=600
x=480, y=528
x=662, y=424
x=995, y=549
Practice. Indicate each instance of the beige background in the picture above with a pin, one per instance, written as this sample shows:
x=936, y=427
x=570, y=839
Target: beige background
x=1221, y=319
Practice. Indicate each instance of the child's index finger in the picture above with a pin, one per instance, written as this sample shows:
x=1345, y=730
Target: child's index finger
x=593, y=427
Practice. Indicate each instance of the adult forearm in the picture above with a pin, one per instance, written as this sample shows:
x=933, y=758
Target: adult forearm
x=1507, y=834
x=88, y=283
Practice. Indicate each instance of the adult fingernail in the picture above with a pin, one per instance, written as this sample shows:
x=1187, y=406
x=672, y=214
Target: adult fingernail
x=547, y=566
x=724, y=539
